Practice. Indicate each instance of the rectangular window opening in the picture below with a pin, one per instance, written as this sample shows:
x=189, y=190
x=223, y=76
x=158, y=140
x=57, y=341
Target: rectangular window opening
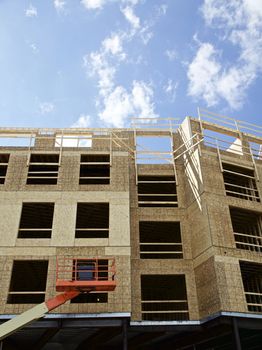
x=36, y=220
x=94, y=169
x=92, y=220
x=223, y=141
x=90, y=298
x=252, y=281
x=247, y=229
x=160, y=240
x=164, y=298
x=240, y=182
x=17, y=140
x=43, y=169
x=154, y=150
x=73, y=140
x=157, y=191
x=4, y=159
x=28, y=282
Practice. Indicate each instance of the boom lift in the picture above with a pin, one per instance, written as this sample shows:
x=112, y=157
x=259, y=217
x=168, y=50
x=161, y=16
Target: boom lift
x=73, y=277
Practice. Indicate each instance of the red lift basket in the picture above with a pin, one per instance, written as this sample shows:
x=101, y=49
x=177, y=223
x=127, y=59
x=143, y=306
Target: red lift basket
x=85, y=275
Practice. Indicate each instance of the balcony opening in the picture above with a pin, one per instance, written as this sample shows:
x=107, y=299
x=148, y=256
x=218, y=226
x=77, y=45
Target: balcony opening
x=28, y=282
x=36, y=220
x=92, y=220
x=90, y=298
x=240, y=182
x=94, y=169
x=4, y=159
x=160, y=240
x=247, y=228
x=157, y=191
x=252, y=281
x=43, y=169
x=164, y=298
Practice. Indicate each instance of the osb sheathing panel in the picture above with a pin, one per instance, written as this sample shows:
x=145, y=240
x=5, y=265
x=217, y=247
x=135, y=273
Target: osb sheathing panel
x=230, y=286
x=199, y=228
x=212, y=176
x=44, y=142
x=16, y=171
x=240, y=254
x=220, y=225
x=207, y=288
x=155, y=169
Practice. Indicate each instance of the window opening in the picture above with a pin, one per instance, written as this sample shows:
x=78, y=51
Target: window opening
x=164, y=297
x=36, y=220
x=28, y=282
x=73, y=140
x=94, y=169
x=252, y=281
x=247, y=228
x=154, y=149
x=223, y=141
x=43, y=169
x=157, y=191
x=240, y=182
x=90, y=298
x=92, y=220
x=4, y=159
x=160, y=240
x=17, y=140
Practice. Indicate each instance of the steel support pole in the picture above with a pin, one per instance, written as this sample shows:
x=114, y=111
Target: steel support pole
x=125, y=345
x=236, y=334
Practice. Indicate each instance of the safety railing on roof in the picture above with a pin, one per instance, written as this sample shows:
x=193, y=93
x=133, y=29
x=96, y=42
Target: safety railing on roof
x=222, y=120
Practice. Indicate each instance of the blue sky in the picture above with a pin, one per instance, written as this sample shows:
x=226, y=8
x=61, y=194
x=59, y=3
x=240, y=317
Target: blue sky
x=96, y=63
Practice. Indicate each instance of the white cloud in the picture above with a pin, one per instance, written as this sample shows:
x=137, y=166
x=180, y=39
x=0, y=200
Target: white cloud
x=146, y=35
x=241, y=24
x=162, y=9
x=96, y=64
x=203, y=74
x=115, y=102
x=83, y=121
x=170, y=89
x=171, y=54
x=120, y=105
x=113, y=45
x=93, y=4
x=46, y=107
x=131, y=17
x=31, y=11
x=59, y=5
x=34, y=48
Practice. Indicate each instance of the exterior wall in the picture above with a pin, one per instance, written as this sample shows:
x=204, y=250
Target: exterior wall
x=65, y=195
x=210, y=259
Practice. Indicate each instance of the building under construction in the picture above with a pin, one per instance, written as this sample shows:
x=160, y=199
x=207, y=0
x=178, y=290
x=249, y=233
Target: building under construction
x=172, y=208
